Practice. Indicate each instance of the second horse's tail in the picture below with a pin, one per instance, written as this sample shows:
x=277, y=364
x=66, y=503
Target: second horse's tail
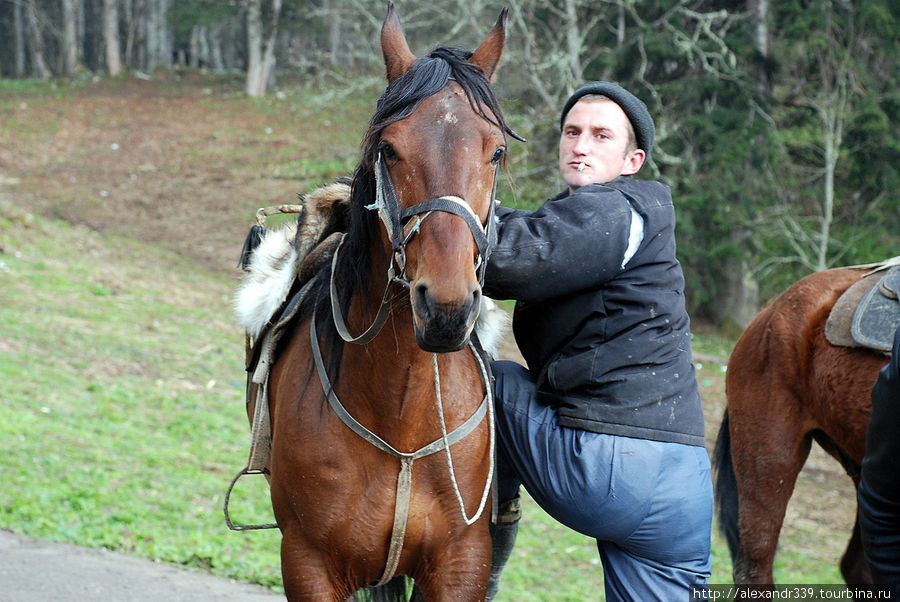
x=726, y=488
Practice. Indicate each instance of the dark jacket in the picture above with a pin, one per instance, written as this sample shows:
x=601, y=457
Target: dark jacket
x=879, y=485
x=609, y=346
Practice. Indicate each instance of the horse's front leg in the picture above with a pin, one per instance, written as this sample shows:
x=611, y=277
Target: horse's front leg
x=461, y=569
x=304, y=572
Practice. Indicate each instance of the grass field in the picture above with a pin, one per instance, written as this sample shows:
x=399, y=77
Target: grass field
x=123, y=206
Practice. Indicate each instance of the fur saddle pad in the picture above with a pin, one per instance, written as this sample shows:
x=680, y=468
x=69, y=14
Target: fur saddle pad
x=868, y=313
x=292, y=254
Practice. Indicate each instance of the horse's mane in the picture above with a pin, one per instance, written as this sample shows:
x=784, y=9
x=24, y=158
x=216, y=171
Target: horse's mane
x=427, y=76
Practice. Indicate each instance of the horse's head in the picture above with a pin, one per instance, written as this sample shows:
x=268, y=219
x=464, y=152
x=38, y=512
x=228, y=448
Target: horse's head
x=438, y=164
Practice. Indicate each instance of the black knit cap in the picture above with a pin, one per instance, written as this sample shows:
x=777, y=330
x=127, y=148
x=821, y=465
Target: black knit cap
x=634, y=108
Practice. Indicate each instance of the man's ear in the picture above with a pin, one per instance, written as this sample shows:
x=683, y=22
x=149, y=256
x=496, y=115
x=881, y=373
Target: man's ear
x=633, y=162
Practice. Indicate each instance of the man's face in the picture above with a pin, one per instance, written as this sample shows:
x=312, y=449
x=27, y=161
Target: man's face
x=593, y=144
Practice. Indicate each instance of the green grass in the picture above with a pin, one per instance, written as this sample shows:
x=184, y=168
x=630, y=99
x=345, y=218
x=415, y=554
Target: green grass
x=123, y=402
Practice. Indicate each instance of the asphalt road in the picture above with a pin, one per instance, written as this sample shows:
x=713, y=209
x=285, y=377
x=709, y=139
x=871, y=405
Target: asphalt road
x=33, y=570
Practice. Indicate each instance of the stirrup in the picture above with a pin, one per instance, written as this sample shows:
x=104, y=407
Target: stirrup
x=228, y=522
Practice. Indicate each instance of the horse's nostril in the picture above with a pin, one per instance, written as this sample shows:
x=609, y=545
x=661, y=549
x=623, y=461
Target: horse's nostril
x=422, y=298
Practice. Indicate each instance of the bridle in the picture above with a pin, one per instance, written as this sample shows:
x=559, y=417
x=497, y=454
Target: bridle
x=396, y=221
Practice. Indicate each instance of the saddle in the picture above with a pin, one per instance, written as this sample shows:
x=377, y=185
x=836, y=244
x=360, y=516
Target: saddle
x=868, y=313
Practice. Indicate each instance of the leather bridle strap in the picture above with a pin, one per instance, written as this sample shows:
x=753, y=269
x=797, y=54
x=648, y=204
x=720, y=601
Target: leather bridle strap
x=456, y=206
x=380, y=318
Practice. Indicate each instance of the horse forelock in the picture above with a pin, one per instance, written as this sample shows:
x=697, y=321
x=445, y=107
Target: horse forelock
x=428, y=76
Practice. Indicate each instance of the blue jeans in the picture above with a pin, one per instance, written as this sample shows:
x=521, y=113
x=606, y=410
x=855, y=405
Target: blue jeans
x=647, y=503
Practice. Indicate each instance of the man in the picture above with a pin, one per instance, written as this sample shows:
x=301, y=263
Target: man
x=879, y=486
x=605, y=428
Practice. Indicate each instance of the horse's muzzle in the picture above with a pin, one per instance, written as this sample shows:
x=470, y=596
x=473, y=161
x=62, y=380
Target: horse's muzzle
x=443, y=327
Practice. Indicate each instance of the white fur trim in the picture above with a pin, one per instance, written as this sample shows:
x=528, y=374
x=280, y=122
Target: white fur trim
x=266, y=285
x=492, y=326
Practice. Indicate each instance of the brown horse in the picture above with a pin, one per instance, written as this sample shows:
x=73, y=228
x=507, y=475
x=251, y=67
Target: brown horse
x=363, y=482
x=787, y=386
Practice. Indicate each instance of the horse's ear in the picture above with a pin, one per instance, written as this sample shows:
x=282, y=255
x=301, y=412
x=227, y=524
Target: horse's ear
x=397, y=56
x=488, y=54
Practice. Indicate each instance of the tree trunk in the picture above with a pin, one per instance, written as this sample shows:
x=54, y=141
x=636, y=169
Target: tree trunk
x=129, y=32
x=833, y=132
x=261, y=46
x=71, y=56
x=111, y=37
x=19, y=39
x=738, y=300
x=763, y=43
x=151, y=36
x=573, y=42
x=216, y=61
x=334, y=33
x=254, y=47
x=194, y=45
x=164, y=58
x=36, y=39
x=156, y=32
x=268, y=73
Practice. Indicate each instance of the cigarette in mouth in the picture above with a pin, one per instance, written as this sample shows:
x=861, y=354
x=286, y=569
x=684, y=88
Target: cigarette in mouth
x=581, y=167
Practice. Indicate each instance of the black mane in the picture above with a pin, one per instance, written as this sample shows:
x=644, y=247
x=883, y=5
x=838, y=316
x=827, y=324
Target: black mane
x=427, y=76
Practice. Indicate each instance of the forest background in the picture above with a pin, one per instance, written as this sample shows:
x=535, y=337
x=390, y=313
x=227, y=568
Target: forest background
x=776, y=122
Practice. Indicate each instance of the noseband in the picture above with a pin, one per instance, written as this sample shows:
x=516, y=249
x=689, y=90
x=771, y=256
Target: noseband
x=396, y=223
x=395, y=219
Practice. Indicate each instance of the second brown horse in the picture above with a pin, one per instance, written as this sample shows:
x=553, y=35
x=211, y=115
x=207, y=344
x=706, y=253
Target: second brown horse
x=787, y=385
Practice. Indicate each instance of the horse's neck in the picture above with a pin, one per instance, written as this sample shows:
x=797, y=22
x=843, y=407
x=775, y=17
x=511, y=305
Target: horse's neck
x=388, y=384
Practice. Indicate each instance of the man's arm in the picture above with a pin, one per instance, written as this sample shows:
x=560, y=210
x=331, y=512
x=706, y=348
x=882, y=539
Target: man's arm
x=566, y=245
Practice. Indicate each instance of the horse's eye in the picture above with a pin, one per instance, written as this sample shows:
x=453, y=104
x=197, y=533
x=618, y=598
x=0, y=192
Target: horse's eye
x=387, y=151
x=498, y=154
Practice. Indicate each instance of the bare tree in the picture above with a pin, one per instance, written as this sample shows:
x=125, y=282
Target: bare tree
x=36, y=41
x=71, y=10
x=261, y=36
x=822, y=92
x=111, y=36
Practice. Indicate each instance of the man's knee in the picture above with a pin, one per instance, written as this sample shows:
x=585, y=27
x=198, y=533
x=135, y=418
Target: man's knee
x=510, y=379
